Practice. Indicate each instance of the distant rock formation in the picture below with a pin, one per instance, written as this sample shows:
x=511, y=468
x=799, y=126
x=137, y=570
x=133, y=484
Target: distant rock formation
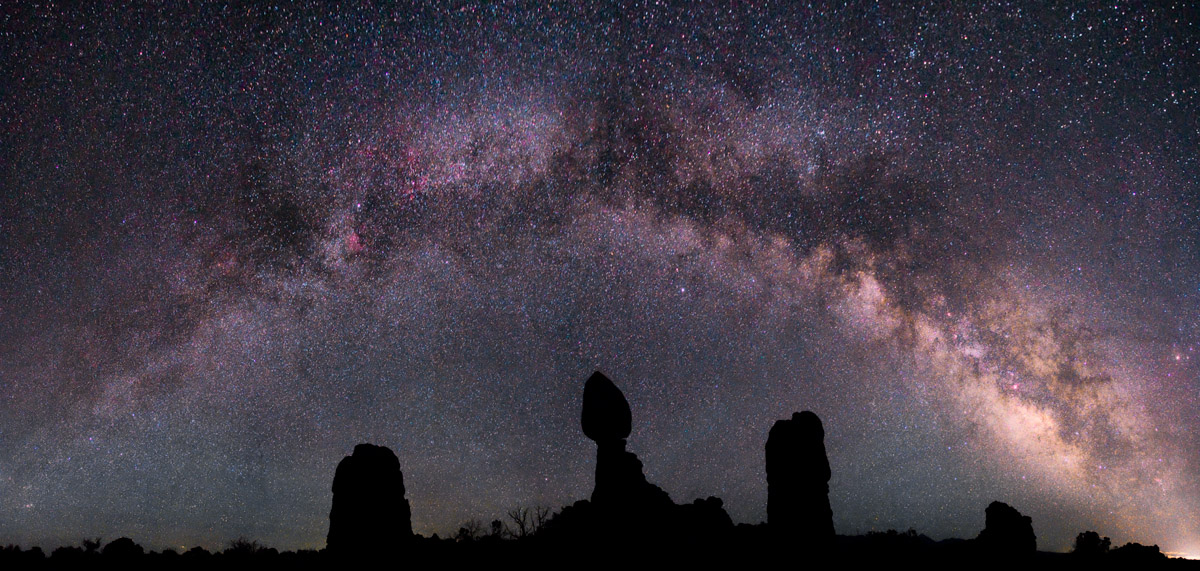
x=798, y=479
x=704, y=519
x=122, y=549
x=370, y=515
x=1131, y=555
x=1007, y=532
x=620, y=483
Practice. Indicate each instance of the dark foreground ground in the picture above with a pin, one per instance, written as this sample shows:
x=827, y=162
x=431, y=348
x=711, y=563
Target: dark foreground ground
x=748, y=548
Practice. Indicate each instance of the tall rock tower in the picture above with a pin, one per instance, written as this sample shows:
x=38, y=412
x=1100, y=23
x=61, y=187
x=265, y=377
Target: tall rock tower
x=370, y=515
x=798, y=480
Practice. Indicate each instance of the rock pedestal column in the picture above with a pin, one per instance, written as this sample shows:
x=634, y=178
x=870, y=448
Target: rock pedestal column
x=798, y=480
x=370, y=515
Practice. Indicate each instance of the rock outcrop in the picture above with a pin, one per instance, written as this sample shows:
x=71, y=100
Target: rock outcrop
x=620, y=483
x=798, y=480
x=370, y=515
x=1007, y=532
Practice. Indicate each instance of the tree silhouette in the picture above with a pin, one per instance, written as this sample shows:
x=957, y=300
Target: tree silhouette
x=471, y=530
x=1089, y=544
x=92, y=545
x=526, y=521
x=242, y=546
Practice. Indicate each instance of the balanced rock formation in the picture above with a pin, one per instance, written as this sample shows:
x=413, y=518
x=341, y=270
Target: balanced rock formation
x=624, y=508
x=1007, y=532
x=798, y=480
x=620, y=483
x=370, y=515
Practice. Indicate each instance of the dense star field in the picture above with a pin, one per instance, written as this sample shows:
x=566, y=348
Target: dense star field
x=235, y=242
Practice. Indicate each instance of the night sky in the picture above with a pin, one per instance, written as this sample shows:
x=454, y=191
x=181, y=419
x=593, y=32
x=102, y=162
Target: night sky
x=234, y=242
